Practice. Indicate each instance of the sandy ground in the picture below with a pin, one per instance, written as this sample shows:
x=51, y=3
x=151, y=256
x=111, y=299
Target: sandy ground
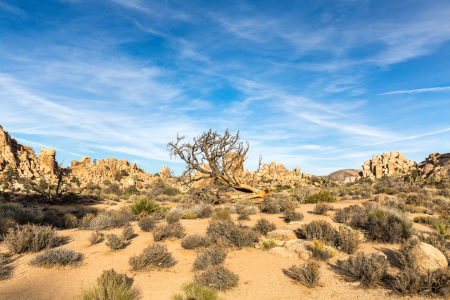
x=261, y=273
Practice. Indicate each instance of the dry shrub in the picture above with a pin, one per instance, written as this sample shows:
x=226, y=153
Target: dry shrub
x=243, y=213
x=107, y=220
x=127, y=233
x=155, y=255
x=86, y=221
x=348, y=240
x=172, y=217
x=114, y=242
x=264, y=226
x=213, y=256
x=318, y=230
x=165, y=231
x=408, y=282
x=31, y=238
x=194, y=291
x=4, y=270
x=205, y=212
x=147, y=223
x=424, y=220
x=288, y=206
x=369, y=269
x=222, y=214
x=290, y=216
x=56, y=258
x=415, y=199
x=308, y=274
x=270, y=207
x=95, y=237
x=68, y=221
x=112, y=286
x=195, y=240
x=319, y=251
x=218, y=277
x=341, y=216
x=382, y=223
x=322, y=208
x=230, y=233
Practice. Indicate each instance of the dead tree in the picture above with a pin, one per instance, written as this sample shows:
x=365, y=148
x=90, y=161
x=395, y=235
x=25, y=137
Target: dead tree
x=215, y=156
x=52, y=192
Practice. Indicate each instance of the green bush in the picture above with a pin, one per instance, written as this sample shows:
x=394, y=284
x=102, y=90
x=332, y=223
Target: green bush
x=143, y=205
x=189, y=215
x=194, y=291
x=323, y=196
x=319, y=251
x=111, y=286
x=269, y=244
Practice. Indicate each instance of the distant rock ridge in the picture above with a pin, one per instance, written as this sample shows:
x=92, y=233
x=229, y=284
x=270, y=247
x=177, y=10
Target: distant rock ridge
x=23, y=160
x=390, y=165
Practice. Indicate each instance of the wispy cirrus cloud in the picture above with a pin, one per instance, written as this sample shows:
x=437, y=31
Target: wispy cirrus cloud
x=416, y=91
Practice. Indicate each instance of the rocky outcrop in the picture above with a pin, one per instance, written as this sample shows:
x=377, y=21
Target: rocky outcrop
x=390, y=165
x=430, y=258
x=435, y=165
x=164, y=173
x=274, y=174
x=23, y=160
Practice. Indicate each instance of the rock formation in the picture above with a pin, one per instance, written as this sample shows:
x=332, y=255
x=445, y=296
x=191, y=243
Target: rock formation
x=391, y=165
x=277, y=174
x=23, y=160
x=435, y=165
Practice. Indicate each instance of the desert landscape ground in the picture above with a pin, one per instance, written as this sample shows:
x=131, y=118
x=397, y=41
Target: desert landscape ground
x=272, y=233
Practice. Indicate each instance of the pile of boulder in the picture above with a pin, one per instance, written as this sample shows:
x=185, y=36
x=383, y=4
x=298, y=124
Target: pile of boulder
x=435, y=165
x=387, y=165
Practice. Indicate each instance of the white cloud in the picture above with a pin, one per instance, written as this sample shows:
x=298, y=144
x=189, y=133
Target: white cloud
x=436, y=89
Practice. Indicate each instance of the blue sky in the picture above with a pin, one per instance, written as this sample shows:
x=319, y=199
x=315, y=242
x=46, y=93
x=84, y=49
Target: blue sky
x=320, y=85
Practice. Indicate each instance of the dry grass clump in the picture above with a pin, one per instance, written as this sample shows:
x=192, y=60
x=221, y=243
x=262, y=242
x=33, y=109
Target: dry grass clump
x=222, y=214
x=56, y=258
x=111, y=286
x=194, y=291
x=114, y=242
x=172, y=217
x=322, y=208
x=318, y=230
x=424, y=220
x=95, y=237
x=341, y=216
x=290, y=216
x=31, y=238
x=195, y=240
x=308, y=274
x=213, y=256
x=270, y=206
x=127, y=233
x=264, y=226
x=415, y=199
x=205, y=212
x=68, y=221
x=382, y=223
x=319, y=251
x=243, y=213
x=442, y=227
x=106, y=220
x=165, y=231
x=147, y=223
x=348, y=240
x=369, y=269
x=218, y=278
x=155, y=255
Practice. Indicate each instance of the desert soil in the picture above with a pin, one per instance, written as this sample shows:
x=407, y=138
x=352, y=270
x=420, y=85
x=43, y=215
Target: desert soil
x=261, y=272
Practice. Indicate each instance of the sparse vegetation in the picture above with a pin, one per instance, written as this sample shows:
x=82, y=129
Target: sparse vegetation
x=127, y=233
x=218, y=277
x=147, y=223
x=112, y=286
x=195, y=291
x=189, y=215
x=56, y=258
x=172, y=217
x=31, y=238
x=165, y=231
x=114, y=242
x=213, y=256
x=319, y=251
x=308, y=274
x=155, y=255
x=195, y=240
x=323, y=196
x=322, y=208
x=95, y=237
x=264, y=226
x=68, y=221
x=369, y=269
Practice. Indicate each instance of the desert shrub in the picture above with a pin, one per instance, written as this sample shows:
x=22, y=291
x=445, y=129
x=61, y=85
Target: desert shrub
x=222, y=214
x=194, y=291
x=147, y=223
x=195, y=240
x=20, y=215
x=381, y=223
x=31, y=238
x=86, y=221
x=165, y=231
x=79, y=212
x=318, y=230
x=229, y=232
x=319, y=251
x=438, y=241
x=213, y=256
x=107, y=220
x=308, y=274
x=243, y=213
x=4, y=270
x=189, y=215
x=127, y=233
x=348, y=240
x=290, y=216
x=68, y=221
x=205, y=212
x=5, y=225
x=415, y=199
x=408, y=282
x=95, y=237
x=442, y=227
x=323, y=196
x=369, y=269
x=172, y=217
x=270, y=207
x=114, y=242
x=155, y=255
x=143, y=205
x=264, y=226
x=218, y=277
x=287, y=206
x=322, y=208
x=405, y=254
x=112, y=286
x=341, y=216
x=424, y=220
x=56, y=257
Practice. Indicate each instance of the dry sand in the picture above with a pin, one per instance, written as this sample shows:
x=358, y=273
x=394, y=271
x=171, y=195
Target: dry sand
x=261, y=273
